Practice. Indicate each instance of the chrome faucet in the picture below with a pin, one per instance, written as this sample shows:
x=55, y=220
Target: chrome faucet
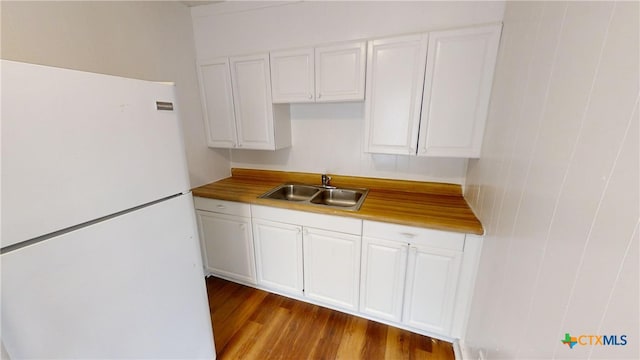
x=326, y=182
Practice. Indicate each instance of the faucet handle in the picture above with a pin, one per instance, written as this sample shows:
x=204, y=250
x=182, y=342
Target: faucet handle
x=326, y=179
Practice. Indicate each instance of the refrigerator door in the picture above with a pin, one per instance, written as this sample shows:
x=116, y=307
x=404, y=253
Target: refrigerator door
x=77, y=146
x=128, y=287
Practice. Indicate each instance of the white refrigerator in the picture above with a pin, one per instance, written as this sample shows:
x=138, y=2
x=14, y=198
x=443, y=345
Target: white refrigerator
x=100, y=255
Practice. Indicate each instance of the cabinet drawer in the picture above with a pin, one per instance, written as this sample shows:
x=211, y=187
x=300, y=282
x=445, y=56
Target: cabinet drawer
x=414, y=235
x=319, y=221
x=222, y=206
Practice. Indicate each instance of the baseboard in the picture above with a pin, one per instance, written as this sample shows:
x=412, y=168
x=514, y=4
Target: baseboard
x=457, y=350
x=463, y=352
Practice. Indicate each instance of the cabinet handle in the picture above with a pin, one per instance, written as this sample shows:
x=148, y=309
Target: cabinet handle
x=242, y=227
x=408, y=235
x=310, y=96
x=319, y=96
x=305, y=232
x=220, y=206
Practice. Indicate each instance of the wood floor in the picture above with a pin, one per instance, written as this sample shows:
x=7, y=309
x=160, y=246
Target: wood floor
x=254, y=324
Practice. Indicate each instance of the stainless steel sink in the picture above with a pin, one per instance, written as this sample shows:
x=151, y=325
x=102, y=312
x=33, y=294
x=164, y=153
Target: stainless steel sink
x=291, y=192
x=339, y=198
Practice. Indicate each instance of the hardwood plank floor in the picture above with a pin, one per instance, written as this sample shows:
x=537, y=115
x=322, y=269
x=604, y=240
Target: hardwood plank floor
x=253, y=324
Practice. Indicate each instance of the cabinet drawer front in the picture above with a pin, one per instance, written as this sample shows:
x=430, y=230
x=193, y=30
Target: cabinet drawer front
x=222, y=206
x=321, y=221
x=414, y=235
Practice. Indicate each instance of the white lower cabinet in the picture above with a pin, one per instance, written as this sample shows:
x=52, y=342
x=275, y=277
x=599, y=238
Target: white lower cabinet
x=316, y=256
x=226, y=239
x=410, y=275
x=432, y=276
x=384, y=265
x=279, y=256
x=332, y=267
x=416, y=278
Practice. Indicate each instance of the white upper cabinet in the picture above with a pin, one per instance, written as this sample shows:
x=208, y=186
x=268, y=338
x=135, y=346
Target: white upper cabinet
x=236, y=96
x=395, y=74
x=447, y=100
x=217, y=102
x=251, y=85
x=292, y=76
x=457, y=87
x=323, y=74
x=340, y=72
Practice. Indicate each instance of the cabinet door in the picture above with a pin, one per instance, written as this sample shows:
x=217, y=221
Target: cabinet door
x=432, y=276
x=227, y=245
x=251, y=85
x=395, y=74
x=383, y=275
x=460, y=66
x=278, y=250
x=332, y=267
x=217, y=102
x=340, y=72
x=292, y=76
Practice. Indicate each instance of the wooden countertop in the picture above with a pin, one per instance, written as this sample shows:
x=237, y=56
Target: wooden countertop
x=423, y=204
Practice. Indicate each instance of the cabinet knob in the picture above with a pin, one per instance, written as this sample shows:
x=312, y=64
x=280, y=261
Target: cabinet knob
x=310, y=96
x=242, y=227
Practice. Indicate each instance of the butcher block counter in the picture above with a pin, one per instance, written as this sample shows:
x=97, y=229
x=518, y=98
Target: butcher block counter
x=422, y=204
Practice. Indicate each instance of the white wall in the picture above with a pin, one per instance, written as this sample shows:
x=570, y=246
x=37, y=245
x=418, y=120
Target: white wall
x=328, y=137
x=557, y=187
x=144, y=40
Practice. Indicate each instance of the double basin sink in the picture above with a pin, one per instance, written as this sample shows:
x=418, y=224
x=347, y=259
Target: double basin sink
x=339, y=198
